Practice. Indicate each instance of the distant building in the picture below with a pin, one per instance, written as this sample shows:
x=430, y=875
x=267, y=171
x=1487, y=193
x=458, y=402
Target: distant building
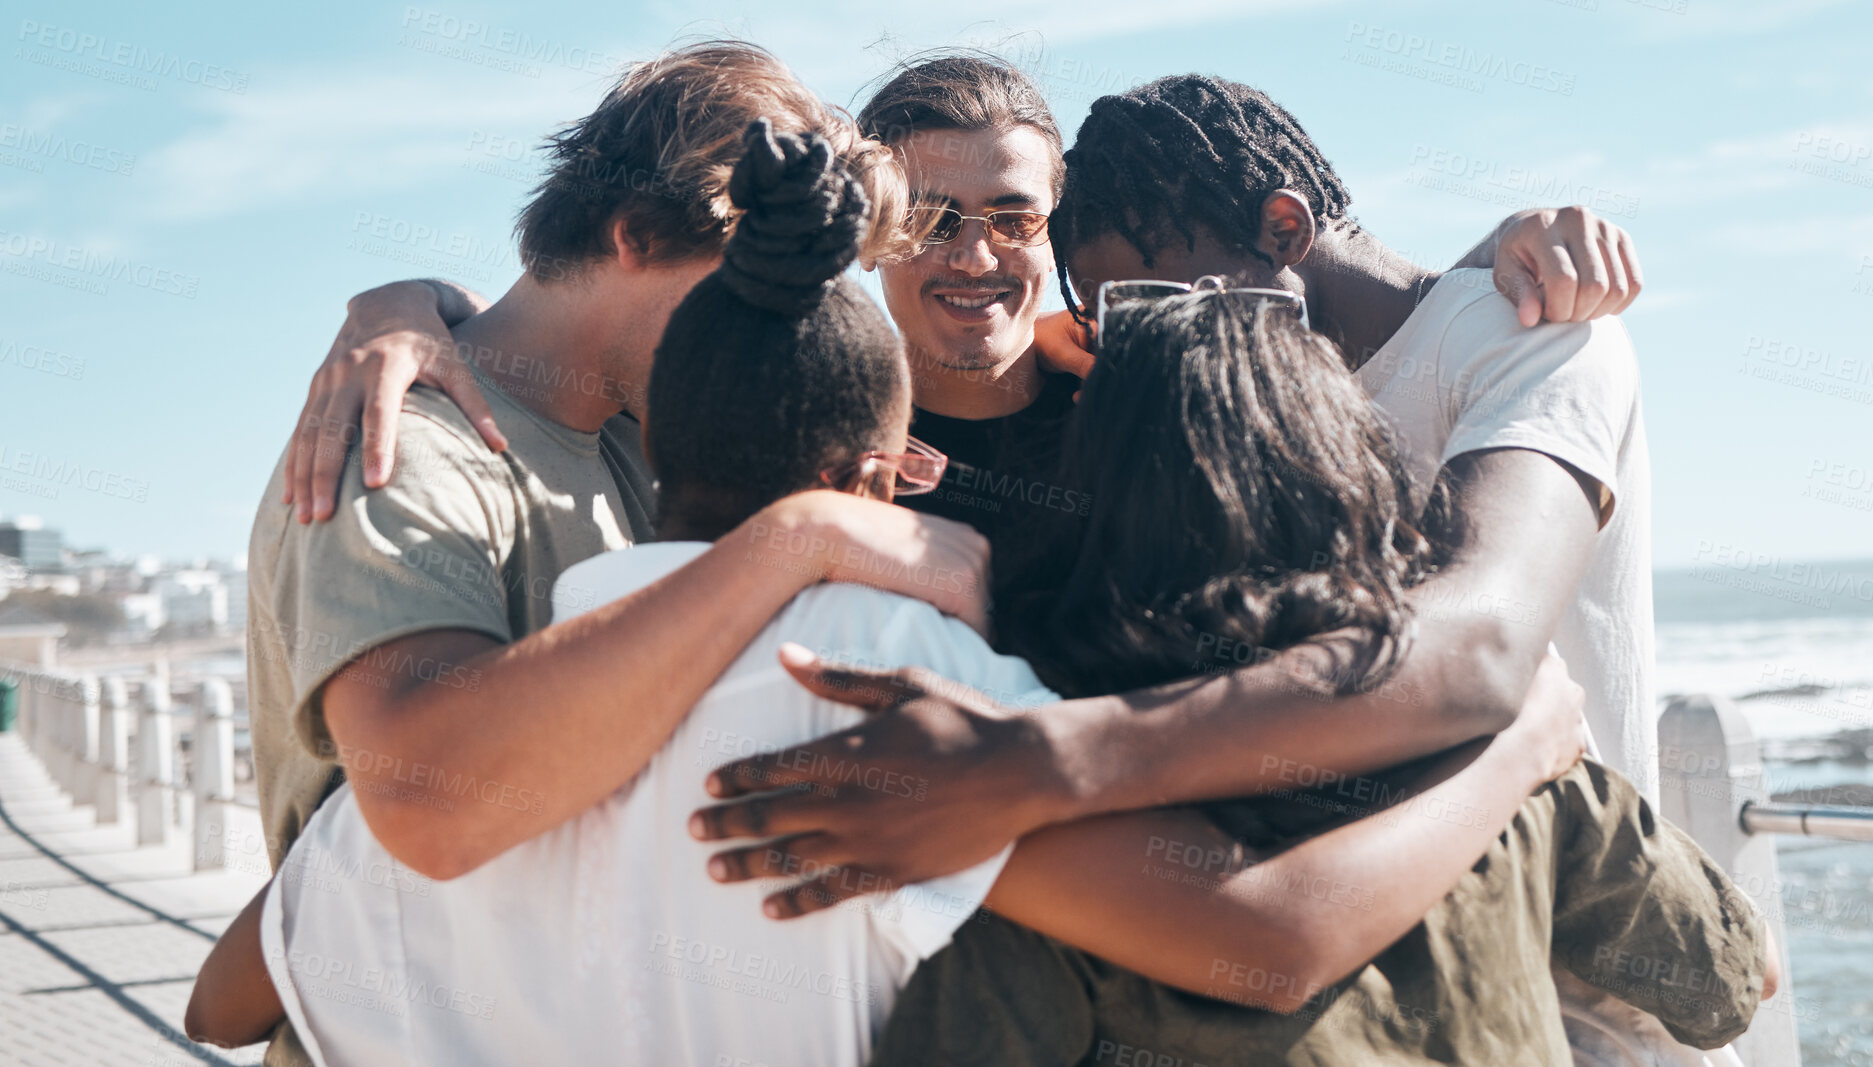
x=193, y=600
x=62, y=584
x=27, y=540
x=237, y=597
x=143, y=615
x=28, y=637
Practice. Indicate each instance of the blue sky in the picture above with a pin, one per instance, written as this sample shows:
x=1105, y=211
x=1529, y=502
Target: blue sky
x=188, y=193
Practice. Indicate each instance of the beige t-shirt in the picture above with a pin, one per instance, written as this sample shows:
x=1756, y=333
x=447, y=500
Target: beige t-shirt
x=1462, y=375
x=461, y=538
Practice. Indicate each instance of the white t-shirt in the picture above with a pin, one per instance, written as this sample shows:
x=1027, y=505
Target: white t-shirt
x=1462, y=375
x=604, y=940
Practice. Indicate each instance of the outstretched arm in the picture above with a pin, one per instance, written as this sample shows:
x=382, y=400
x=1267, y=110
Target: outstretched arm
x=234, y=1002
x=1166, y=894
x=394, y=336
x=1483, y=625
x=547, y=726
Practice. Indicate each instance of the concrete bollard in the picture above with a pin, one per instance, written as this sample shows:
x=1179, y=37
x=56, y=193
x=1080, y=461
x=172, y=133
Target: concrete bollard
x=48, y=727
x=156, y=766
x=89, y=724
x=1710, y=766
x=214, y=772
x=113, y=782
x=66, y=725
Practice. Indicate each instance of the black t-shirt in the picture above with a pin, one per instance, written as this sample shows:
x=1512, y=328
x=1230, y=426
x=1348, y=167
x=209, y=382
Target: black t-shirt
x=1003, y=472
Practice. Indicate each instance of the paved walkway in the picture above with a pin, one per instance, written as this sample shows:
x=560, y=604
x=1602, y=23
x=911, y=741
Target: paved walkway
x=100, y=938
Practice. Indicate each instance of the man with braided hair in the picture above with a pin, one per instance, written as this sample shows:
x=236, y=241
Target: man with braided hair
x=1538, y=432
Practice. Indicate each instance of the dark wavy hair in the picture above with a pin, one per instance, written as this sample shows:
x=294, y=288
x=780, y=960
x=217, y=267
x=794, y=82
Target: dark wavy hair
x=960, y=90
x=1246, y=497
x=776, y=365
x=658, y=152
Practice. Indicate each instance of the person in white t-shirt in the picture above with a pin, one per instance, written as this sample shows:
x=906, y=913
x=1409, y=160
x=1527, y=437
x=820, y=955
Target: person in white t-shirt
x=604, y=940
x=1526, y=424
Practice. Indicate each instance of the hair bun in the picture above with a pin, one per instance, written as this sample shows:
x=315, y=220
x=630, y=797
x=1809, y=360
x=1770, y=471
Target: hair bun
x=803, y=218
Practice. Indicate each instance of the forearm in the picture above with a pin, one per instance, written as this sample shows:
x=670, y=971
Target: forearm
x=1384, y=873
x=1164, y=894
x=559, y=720
x=1278, y=724
x=234, y=1003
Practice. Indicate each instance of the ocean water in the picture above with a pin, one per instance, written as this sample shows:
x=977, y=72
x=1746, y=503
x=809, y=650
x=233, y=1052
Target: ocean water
x=1793, y=645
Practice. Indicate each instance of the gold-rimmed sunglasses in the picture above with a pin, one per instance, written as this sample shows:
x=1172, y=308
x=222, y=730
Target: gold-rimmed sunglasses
x=1008, y=228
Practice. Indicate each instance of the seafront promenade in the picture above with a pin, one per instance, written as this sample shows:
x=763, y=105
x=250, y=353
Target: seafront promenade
x=100, y=937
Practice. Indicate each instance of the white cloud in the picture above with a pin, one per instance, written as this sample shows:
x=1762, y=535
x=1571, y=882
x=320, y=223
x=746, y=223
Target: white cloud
x=345, y=132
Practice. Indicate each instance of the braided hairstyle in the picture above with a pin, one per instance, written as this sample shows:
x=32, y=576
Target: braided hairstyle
x=1184, y=153
x=775, y=366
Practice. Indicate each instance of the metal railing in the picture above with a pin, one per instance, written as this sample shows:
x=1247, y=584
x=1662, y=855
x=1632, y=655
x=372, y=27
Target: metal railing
x=1713, y=786
x=1840, y=823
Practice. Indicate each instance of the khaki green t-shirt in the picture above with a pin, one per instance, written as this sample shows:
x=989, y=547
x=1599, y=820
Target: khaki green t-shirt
x=461, y=538
x=1586, y=876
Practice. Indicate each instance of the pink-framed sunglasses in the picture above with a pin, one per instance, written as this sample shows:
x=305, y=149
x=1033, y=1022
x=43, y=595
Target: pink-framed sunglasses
x=916, y=471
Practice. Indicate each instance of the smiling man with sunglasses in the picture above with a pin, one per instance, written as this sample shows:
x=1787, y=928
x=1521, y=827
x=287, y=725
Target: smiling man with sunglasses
x=983, y=157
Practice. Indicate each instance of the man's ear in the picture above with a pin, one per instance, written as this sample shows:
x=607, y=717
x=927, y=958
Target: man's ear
x=1287, y=228
x=625, y=252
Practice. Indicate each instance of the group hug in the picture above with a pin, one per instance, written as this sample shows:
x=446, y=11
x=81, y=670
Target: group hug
x=682, y=659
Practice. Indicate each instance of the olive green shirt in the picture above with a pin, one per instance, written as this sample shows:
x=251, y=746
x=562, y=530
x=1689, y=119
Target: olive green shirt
x=1586, y=875
x=460, y=538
